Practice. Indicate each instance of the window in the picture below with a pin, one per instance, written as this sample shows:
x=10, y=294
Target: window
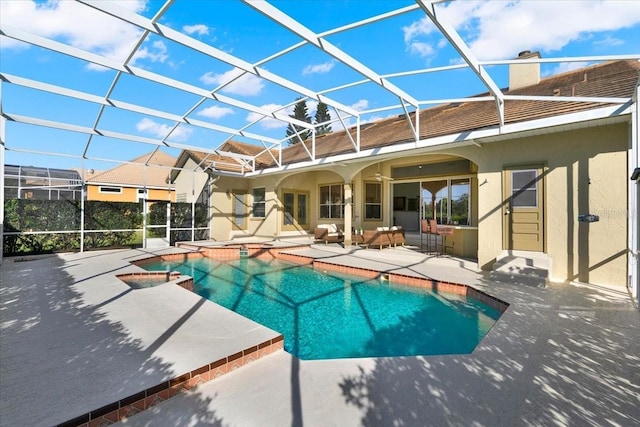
x=259, y=203
x=524, y=188
x=331, y=201
x=112, y=190
x=460, y=191
x=373, y=201
x=448, y=201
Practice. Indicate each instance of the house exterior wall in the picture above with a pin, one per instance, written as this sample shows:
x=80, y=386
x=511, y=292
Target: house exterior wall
x=306, y=182
x=158, y=194
x=222, y=206
x=129, y=194
x=189, y=183
x=585, y=174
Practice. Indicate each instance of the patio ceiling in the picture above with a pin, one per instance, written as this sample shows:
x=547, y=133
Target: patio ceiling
x=402, y=91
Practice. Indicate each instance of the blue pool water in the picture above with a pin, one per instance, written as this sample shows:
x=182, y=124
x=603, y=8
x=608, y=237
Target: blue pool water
x=330, y=316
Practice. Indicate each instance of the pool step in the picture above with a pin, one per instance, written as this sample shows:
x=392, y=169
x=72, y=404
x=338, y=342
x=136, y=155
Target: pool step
x=522, y=267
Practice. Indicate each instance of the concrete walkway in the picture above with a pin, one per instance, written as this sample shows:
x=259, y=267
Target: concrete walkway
x=567, y=354
x=74, y=338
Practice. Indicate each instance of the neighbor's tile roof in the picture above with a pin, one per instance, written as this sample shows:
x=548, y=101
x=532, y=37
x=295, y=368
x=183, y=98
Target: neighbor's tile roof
x=230, y=164
x=134, y=174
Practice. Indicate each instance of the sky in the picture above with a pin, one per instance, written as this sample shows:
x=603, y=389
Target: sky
x=493, y=30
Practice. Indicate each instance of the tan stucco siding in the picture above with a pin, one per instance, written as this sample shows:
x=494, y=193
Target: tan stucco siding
x=165, y=195
x=585, y=174
x=127, y=195
x=271, y=225
x=222, y=206
x=190, y=182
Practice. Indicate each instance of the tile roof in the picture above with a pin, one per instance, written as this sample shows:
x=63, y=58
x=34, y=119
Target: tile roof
x=611, y=79
x=133, y=174
x=230, y=164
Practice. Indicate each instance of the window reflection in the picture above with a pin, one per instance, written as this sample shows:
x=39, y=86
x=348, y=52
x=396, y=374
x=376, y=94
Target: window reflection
x=448, y=200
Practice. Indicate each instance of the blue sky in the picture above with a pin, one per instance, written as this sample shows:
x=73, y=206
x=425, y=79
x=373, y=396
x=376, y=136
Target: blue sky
x=492, y=29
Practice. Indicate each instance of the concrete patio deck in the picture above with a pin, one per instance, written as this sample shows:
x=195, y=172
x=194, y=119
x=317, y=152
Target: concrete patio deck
x=72, y=337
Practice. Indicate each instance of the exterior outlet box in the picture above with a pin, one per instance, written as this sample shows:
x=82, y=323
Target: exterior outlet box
x=588, y=218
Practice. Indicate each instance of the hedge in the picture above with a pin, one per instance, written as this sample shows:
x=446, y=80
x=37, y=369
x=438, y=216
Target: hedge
x=26, y=215
x=64, y=215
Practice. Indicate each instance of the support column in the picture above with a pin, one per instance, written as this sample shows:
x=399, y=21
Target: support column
x=348, y=209
x=2, y=148
x=168, y=235
x=633, y=156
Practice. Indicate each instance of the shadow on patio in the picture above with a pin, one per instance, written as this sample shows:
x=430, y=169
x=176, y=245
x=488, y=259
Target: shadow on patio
x=62, y=357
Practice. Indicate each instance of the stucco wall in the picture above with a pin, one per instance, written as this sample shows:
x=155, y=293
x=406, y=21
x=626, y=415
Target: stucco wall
x=222, y=226
x=189, y=183
x=586, y=174
x=128, y=194
x=157, y=194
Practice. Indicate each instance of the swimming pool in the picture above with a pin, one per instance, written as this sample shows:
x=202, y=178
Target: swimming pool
x=332, y=316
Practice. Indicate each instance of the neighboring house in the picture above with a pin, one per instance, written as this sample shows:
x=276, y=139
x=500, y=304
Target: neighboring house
x=132, y=181
x=30, y=182
x=528, y=185
x=189, y=185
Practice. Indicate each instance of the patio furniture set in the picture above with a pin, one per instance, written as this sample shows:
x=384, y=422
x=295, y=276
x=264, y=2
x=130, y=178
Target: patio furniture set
x=385, y=236
x=380, y=237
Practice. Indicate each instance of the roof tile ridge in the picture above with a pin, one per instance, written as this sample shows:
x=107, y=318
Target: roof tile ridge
x=586, y=68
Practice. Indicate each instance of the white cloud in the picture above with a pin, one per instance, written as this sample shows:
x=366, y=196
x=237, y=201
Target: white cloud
x=377, y=118
x=156, y=53
x=215, y=112
x=325, y=67
x=160, y=130
x=82, y=27
x=247, y=85
x=199, y=29
x=362, y=104
x=564, y=67
x=421, y=49
x=270, y=122
x=609, y=41
x=501, y=29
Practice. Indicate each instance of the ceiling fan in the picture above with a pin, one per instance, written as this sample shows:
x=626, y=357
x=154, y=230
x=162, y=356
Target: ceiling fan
x=379, y=177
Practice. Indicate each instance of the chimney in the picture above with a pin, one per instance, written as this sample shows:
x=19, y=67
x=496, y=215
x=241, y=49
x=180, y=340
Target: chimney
x=523, y=75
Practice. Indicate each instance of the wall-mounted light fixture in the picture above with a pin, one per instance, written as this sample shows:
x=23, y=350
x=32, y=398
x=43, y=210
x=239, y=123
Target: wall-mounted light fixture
x=635, y=175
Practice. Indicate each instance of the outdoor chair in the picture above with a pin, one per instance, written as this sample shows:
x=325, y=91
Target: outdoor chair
x=328, y=233
x=425, y=230
x=442, y=232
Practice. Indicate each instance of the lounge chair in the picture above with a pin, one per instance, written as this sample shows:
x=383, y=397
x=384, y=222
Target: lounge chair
x=328, y=233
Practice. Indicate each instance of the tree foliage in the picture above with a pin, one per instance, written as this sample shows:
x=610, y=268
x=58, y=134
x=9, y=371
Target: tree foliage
x=300, y=112
x=40, y=215
x=28, y=215
x=322, y=116
x=111, y=216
